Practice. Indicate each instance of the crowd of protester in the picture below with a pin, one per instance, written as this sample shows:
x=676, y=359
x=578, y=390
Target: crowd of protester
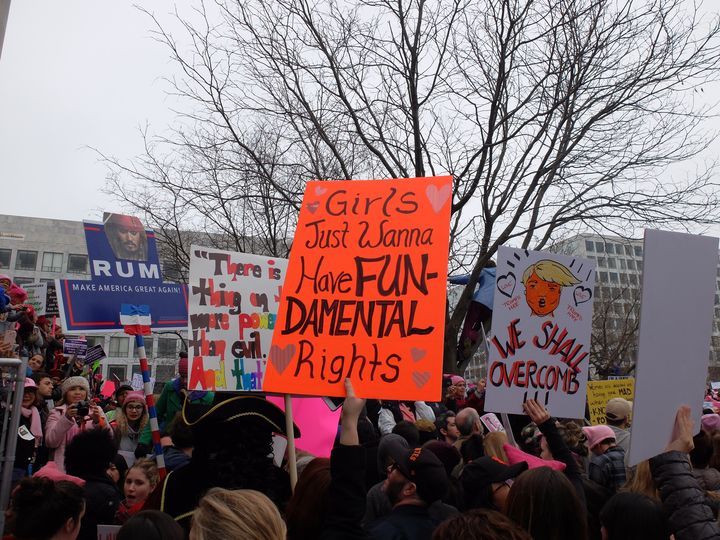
x=398, y=470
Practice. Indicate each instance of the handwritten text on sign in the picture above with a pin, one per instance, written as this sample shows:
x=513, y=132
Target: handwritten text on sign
x=541, y=323
x=600, y=392
x=233, y=306
x=364, y=296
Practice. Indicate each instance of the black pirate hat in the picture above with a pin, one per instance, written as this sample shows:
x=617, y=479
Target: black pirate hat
x=228, y=408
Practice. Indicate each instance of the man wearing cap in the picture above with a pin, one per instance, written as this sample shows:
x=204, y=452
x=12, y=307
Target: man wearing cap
x=617, y=416
x=127, y=237
x=415, y=480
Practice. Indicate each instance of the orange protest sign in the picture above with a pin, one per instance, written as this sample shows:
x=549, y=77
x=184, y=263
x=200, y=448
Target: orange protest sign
x=364, y=293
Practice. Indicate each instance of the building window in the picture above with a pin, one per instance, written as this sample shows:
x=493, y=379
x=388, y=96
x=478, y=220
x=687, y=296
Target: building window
x=623, y=266
x=639, y=265
x=623, y=278
x=599, y=247
x=614, y=277
x=95, y=340
x=631, y=264
x=601, y=261
x=117, y=372
x=603, y=277
x=77, y=264
x=610, y=248
x=612, y=263
x=26, y=260
x=638, y=251
x=628, y=250
x=164, y=373
x=633, y=279
x=5, y=255
x=589, y=245
x=52, y=262
x=119, y=347
x=167, y=348
x=23, y=280
x=148, y=348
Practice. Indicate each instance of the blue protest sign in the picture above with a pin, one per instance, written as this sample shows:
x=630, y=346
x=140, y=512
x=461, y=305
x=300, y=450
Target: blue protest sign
x=125, y=269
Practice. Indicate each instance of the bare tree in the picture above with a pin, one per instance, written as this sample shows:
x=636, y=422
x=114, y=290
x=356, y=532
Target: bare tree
x=616, y=322
x=549, y=114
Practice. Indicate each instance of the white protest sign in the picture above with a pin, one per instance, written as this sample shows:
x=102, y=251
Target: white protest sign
x=37, y=296
x=676, y=318
x=233, y=302
x=542, y=317
x=491, y=422
x=137, y=381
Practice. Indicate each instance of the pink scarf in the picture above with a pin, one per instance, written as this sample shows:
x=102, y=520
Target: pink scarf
x=35, y=424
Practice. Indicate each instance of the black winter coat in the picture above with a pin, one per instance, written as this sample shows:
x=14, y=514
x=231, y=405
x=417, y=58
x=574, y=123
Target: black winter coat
x=689, y=516
x=102, y=499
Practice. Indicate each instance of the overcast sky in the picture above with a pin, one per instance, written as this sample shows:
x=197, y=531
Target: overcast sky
x=86, y=73
x=76, y=74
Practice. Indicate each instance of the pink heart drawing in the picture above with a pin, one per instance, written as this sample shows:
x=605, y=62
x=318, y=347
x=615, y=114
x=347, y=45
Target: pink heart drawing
x=281, y=358
x=320, y=190
x=581, y=295
x=421, y=378
x=438, y=197
x=417, y=354
x=313, y=206
x=506, y=284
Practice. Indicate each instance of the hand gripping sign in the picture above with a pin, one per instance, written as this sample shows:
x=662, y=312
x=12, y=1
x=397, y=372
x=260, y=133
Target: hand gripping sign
x=364, y=295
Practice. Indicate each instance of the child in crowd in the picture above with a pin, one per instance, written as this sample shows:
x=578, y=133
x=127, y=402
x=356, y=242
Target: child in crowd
x=607, y=465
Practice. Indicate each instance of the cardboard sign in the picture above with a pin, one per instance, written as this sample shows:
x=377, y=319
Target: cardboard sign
x=600, y=392
x=364, y=295
x=125, y=269
x=676, y=320
x=95, y=353
x=233, y=307
x=715, y=385
x=51, y=301
x=75, y=347
x=37, y=296
x=542, y=319
x=492, y=422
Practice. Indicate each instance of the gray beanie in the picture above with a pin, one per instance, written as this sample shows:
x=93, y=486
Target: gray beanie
x=75, y=381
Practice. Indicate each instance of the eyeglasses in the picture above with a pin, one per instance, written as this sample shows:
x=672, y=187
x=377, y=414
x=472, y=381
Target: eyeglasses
x=135, y=407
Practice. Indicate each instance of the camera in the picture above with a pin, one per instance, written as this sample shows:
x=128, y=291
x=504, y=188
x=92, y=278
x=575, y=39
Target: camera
x=83, y=408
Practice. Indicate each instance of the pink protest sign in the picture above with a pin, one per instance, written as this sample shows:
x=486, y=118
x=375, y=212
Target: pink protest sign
x=317, y=423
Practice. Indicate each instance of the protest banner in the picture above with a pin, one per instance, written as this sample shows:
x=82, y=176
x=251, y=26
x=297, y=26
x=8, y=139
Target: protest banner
x=94, y=354
x=137, y=382
x=75, y=347
x=37, y=296
x=124, y=269
x=542, y=319
x=676, y=320
x=233, y=306
x=51, y=301
x=365, y=291
x=600, y=392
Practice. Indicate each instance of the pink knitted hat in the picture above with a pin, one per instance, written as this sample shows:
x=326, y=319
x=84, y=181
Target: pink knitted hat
x=597, y=434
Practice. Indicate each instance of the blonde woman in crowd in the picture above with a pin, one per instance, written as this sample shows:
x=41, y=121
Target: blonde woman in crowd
x=242, y=513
